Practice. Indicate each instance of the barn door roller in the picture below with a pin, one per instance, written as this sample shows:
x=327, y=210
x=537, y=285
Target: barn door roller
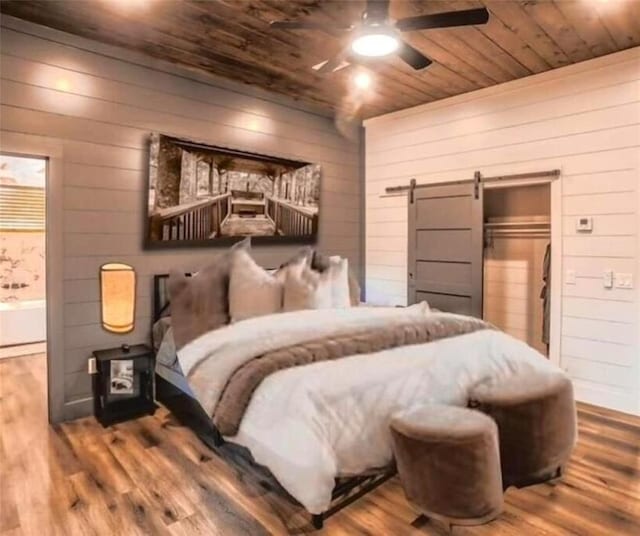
x=476, y=185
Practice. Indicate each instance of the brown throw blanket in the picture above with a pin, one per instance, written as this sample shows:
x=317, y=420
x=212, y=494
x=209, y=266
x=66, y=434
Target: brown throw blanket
x=245, y=380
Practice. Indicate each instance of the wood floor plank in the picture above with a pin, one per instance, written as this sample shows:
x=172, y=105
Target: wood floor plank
x=604, y=494
x=139, y=515
x=154, y=476
x=159, y=490
x=608, y=516
x=248, y=508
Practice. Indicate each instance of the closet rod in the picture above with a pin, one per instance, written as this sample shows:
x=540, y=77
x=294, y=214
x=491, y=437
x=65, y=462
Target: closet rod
x=552, y=174
x=498, y=232
x=489, y=237
x=524, y=223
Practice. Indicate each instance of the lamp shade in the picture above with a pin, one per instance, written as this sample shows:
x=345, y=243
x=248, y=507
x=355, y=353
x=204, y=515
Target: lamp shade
x=118, y=297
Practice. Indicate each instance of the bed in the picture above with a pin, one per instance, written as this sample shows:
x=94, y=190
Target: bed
x=321, y=429
x=174, y=392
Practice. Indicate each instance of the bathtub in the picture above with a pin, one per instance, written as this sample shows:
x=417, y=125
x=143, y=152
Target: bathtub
x=23, y=322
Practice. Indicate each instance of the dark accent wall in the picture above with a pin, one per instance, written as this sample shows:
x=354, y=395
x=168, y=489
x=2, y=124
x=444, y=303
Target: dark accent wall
x=99, y=105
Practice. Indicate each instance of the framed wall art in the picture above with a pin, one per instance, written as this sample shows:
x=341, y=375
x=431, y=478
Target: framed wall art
x=203, y=195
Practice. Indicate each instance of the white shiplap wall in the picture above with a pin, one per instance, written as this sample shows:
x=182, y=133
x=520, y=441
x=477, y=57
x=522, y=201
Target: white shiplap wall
x=97, y=105
x=583, y=119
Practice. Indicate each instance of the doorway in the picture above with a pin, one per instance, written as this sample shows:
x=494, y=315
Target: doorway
x=517, y=261
x=23, y=181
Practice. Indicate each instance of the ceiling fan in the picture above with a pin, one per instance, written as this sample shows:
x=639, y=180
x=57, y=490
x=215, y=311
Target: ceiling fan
x=376, y=35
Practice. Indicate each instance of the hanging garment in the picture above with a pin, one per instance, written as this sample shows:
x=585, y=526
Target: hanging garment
x=544, y=295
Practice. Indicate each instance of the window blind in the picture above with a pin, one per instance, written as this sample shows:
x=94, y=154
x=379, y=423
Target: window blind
x=22, y=208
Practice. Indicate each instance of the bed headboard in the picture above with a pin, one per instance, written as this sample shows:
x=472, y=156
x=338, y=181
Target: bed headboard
x=161, y=295
x=161, y=299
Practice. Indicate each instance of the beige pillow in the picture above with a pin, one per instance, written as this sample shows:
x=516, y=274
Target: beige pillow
x=253, y=291
x=305, y=288
x=338, y=272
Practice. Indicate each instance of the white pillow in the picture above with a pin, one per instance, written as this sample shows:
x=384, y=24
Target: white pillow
x=339, y=274
x=305, y=288
x=252, y=290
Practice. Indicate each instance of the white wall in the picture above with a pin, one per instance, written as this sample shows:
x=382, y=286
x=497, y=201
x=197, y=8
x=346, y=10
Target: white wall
x=94, y=107
x=583, y=119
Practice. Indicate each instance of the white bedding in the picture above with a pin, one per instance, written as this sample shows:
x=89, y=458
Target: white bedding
x=313, y=423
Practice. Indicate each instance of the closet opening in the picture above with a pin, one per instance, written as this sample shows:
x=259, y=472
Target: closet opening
x=517, y=260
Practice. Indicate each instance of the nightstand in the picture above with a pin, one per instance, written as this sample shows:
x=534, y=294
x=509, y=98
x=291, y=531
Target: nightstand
x=123, y=383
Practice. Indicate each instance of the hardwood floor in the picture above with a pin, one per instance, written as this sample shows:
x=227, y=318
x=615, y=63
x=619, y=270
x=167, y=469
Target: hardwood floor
x=153, y=476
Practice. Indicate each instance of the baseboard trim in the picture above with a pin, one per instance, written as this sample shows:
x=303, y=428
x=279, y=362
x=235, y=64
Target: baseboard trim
x=18, y=350
x=600, y=396
x=76, y=409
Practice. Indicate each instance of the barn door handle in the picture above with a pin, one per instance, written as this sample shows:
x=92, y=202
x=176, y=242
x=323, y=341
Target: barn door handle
x=412, y=188
x=476, y=185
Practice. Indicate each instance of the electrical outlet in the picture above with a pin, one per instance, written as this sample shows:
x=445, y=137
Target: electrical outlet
x=607, y=279
x=624, y=280
x=570, y=277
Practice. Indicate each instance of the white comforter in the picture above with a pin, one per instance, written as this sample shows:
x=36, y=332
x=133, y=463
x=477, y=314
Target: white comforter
x=312, y=423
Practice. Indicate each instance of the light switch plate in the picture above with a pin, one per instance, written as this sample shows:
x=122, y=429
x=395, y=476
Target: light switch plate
x=624, y=280
x=91, y=366
x=570, y=277
x=607, y=279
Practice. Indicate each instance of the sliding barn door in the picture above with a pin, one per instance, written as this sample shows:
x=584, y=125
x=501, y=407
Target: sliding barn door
x=446, y=247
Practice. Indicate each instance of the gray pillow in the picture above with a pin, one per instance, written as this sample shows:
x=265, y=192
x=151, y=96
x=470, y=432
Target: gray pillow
x=200, y=303
x=158, y=331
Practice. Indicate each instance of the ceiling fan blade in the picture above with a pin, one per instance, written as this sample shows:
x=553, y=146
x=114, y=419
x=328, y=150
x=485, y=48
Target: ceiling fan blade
x=444, y=20
x=334, y=64
x=413, y=57
x=305, y=25
x=377, y=9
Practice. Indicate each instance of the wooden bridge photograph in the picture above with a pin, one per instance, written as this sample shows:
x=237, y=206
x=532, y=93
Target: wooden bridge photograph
x=199, y=192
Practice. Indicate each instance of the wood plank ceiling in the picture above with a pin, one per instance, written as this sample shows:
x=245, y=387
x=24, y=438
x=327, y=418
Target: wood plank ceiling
x=232, y=39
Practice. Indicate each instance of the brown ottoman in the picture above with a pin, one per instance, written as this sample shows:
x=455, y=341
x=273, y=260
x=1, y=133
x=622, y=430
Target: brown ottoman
x=449, y=463
x=536, y=418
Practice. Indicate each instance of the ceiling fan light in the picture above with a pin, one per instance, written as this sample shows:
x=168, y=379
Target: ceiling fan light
x=375, y=44
x=362, y=80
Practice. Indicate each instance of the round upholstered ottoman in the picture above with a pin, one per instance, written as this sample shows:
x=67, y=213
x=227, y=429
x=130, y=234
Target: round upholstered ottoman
x=536, y=418
x=449, y=463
